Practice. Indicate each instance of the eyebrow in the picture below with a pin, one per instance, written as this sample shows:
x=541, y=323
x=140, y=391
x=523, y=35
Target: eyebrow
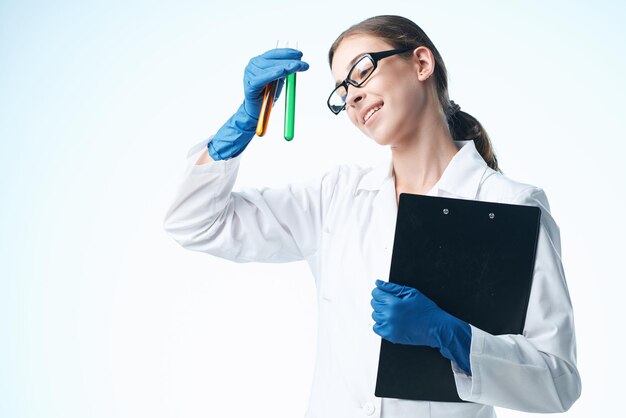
x=355, y=59
x=350, y=64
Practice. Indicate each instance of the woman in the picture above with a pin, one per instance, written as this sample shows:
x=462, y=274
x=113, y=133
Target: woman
x=392, y=83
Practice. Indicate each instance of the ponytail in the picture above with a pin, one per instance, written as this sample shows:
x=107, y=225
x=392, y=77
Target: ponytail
x=464, y=127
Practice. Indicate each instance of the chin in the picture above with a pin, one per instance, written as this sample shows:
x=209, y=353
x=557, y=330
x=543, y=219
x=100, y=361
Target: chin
x=381, y=138
x=384, y=131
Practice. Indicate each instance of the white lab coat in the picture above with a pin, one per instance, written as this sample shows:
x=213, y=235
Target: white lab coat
x=343, y=226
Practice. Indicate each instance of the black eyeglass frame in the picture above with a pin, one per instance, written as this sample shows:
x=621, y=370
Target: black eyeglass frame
x=375, y=57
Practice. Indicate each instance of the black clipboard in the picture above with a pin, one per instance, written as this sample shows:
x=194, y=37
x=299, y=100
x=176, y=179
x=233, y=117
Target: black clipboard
x=476, y=261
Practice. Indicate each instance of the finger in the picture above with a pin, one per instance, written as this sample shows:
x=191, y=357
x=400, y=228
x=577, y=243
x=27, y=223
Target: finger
x=379, y=318
x=261, y=78
x=278, y=69
x=281, y=53
x=393, y=288
x=263, y=63
x=382, y=297
x=377, y=305
x=381, y=331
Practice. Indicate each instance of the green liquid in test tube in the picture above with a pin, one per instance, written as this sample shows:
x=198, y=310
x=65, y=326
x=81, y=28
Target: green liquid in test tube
x=290, y=105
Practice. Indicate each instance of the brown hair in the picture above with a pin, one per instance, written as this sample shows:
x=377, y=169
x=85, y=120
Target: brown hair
x=401, y=32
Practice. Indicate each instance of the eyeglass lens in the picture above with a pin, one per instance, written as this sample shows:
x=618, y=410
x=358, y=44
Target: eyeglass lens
x=358, y=74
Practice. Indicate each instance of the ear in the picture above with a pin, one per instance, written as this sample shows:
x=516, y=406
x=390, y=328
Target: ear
x=424, y=61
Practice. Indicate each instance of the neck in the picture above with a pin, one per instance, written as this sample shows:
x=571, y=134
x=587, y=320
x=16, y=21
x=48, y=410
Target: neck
x=419, y=161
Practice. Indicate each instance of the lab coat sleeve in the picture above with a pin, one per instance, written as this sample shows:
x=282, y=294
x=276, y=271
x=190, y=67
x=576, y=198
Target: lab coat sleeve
x=265, y=225
x=536, y=371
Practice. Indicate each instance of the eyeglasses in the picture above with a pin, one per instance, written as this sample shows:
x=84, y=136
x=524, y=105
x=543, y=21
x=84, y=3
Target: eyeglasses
x=358, y=74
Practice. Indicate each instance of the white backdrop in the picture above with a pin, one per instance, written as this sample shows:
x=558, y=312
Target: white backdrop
x=103, y=315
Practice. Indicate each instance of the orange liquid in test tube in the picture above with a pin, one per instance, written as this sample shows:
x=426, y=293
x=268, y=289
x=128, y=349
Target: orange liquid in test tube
x=266, y=108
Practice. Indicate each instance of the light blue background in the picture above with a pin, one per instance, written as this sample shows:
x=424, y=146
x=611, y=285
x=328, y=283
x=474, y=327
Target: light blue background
x=103, y=315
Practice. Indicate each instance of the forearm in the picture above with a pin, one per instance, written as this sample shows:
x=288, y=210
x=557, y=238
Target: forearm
x=454, y=338
x=204, y=158
x=266, y=225
x=509, y=371
x=201, y=198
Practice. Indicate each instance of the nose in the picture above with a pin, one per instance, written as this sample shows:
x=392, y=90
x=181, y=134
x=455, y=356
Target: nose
x=354, y=95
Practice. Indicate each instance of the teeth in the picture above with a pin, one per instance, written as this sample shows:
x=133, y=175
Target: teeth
x=370, y=113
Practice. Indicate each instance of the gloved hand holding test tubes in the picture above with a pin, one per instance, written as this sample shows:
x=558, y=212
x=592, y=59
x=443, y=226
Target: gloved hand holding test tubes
x=263, y=79
x=290, y=106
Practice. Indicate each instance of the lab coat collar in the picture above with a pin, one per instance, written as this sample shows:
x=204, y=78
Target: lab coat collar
x=374, y=179
x=464, y=174
x=461, y=178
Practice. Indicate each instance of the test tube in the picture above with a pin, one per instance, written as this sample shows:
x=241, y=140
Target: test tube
x=266, y=107
x=290, y=106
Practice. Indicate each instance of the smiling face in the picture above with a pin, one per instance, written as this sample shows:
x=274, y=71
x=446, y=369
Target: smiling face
x=391, y=102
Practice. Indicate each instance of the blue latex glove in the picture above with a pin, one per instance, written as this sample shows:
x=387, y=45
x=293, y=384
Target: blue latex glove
x=404, y=315
x=235, y=135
